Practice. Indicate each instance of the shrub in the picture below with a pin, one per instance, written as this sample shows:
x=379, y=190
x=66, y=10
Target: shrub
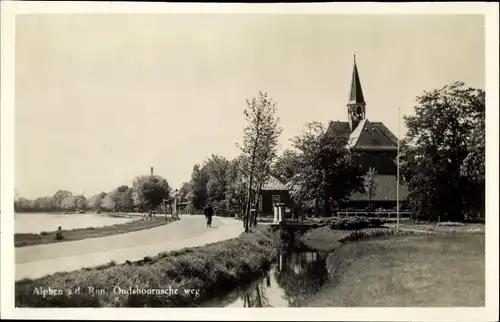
x=358, y=235
x=450, y=224
x=354, y=223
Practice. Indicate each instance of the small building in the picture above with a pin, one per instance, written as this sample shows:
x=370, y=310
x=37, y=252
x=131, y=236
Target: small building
x=272, y=192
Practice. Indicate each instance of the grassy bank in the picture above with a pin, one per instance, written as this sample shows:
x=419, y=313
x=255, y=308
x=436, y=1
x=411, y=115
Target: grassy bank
x=207, y=271
x=383, y=267
x=21, y=240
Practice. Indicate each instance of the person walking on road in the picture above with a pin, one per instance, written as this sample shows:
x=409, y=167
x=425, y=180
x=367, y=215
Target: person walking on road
x=209, y=212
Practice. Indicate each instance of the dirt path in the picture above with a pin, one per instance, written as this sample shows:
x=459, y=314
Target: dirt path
x=190, y=231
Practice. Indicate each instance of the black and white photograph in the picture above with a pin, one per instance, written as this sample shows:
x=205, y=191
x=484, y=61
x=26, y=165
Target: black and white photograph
x=254, y=159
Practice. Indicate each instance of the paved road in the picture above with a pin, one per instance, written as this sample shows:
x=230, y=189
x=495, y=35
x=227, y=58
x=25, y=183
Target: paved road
x=190, y=231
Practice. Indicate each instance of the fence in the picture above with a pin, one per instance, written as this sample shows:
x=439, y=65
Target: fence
x=378, y=214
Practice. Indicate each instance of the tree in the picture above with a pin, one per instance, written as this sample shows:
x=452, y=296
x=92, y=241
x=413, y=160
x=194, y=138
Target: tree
x=286, y=165
x=107, y=202
x=68, y=204
x=370, y=185
x=43, y=204
x=184, y=191
x=216, y=168
x=95, y=202
x=122, y=199
x=235, y=193
x=199, y=193
x=328, y=169
x=80, y=203
x=151, y=191
x=443, y=151
x=57, y=199
x=260, y=142
x=74, y=203
x=21, y=205
x=473, y=166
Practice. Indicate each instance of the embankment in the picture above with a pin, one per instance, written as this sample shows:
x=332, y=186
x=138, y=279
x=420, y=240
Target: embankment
x=175, y=279
x=381, y=267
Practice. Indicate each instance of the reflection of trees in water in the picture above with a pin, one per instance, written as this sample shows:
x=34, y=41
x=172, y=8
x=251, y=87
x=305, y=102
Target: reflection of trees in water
x=254, y=296
x=297, y=274
x=300, y=274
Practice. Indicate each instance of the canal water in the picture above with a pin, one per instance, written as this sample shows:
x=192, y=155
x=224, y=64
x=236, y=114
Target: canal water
x=291, y=279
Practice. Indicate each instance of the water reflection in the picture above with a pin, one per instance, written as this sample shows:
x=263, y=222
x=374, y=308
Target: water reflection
x=291, y=279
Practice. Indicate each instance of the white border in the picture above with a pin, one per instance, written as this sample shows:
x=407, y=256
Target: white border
x=8, y=13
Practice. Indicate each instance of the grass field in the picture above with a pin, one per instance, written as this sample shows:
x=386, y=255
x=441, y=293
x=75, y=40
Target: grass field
x=401, y=270
x=208, y=271
x=21, y=240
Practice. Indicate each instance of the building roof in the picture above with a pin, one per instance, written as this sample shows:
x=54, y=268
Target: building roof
x=367, y=135
x=356, y=94
x=385, y=190
x=274, y=184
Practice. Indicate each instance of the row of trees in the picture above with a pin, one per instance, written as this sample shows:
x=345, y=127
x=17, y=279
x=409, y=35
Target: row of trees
x=146, y=193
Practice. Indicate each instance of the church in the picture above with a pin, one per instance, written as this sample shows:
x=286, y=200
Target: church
x=376, y=146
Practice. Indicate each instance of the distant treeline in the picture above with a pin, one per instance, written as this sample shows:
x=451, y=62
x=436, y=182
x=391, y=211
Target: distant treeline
x=147, y=192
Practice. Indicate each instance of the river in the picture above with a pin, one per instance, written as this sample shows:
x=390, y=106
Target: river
x=37, y=222
x=290, y=280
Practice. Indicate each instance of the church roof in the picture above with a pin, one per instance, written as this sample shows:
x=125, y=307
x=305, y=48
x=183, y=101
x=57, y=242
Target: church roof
x=356, y=94
x=366, y=135
x=369, y=135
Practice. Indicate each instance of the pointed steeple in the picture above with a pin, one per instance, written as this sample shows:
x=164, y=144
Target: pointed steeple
x=356, y=107
x=356, y=95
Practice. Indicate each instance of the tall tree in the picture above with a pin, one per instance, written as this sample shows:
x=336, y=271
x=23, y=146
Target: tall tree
x=151, y=191
x=444, y=142
x=260, y=142
x=328, y=169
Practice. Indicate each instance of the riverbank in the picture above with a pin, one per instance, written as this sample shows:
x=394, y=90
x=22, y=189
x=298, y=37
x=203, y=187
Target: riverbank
x=400, y=268
x=175, y=279
x=27, y=239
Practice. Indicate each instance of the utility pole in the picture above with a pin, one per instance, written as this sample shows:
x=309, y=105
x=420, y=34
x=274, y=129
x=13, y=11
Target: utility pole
x=397, y=178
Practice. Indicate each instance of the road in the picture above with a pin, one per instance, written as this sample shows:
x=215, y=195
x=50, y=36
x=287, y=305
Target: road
x=40, y=260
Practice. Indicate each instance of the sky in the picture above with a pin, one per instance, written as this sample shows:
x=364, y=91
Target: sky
x=102, y=98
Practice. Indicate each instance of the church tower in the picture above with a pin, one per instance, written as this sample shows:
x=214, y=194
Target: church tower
x=356, y=107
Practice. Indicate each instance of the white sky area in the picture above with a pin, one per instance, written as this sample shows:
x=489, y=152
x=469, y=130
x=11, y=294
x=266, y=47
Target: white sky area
x=102, y=98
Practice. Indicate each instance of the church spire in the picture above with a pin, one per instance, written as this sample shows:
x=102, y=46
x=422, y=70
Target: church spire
x=356, y=104
x=356, y=95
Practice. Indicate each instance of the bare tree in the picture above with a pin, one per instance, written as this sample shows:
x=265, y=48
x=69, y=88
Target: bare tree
x=260, y=143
